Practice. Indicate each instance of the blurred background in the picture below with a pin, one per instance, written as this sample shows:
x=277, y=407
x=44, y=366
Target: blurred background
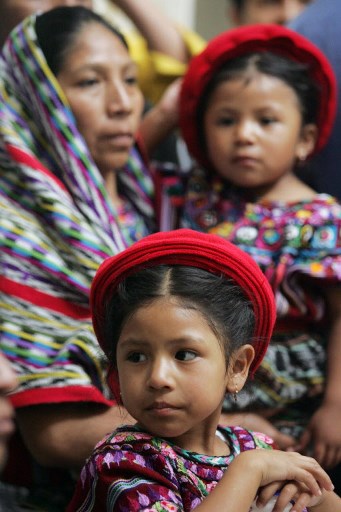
x=207, y=18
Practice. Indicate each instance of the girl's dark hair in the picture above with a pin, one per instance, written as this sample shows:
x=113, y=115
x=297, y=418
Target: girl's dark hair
x=57, y=30
x=227, y=310
x=293, y=73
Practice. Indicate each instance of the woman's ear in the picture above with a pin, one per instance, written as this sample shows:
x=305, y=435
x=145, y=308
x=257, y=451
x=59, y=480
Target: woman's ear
x=239, y=367
x=307, y=141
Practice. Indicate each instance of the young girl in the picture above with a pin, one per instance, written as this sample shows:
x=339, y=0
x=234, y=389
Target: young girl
x=254, y=106
x=183, y=317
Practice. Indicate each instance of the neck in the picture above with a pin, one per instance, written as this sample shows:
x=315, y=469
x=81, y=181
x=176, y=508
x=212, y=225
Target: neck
x=110, y=183
x=288, y=189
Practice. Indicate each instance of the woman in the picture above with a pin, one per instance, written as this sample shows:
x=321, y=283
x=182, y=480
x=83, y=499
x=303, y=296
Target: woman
x=74, y=189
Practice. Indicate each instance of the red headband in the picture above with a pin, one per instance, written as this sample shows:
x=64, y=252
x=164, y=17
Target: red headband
x=194, y=249
x=249, y=39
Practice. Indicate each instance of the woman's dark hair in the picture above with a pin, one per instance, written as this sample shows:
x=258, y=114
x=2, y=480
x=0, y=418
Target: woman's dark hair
x=293, y=73
x=58, y=28
x=227, y=310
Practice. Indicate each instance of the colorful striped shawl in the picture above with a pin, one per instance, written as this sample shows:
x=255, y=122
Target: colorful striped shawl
x=56, y=226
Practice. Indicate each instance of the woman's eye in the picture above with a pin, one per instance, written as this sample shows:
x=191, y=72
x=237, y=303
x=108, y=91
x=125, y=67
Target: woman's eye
x=136, y=357
x=131, y=80
x=89, y=82
x=185, y=355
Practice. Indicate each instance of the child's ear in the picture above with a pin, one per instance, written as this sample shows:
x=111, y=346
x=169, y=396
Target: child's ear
x=307, y=141
x=239, y=367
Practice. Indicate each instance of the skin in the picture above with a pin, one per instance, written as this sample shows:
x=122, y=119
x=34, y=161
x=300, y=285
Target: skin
x=244, y=121
x=8, y=382
x=99, y=80
x=162, y=354
x=267, y=11
x=14, y=11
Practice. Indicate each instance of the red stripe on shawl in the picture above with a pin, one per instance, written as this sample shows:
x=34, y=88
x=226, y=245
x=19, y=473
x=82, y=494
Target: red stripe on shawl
x=43, y=299
x=56, y=395
x=22, y=157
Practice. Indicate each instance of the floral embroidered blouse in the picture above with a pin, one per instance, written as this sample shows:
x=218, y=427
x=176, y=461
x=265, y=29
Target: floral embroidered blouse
x=131, y=471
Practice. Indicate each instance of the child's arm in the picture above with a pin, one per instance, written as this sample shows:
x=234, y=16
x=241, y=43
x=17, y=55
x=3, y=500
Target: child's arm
x=257, y=468
x=323, y=431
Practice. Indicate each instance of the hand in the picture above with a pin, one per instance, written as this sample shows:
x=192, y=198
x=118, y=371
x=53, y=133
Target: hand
x=257, y=423
x=323, y=434
x=278, y=497
x=276, y=465
x=295, y=476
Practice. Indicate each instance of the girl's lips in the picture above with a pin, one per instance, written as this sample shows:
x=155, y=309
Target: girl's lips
x=162, y=408
x=244, y=160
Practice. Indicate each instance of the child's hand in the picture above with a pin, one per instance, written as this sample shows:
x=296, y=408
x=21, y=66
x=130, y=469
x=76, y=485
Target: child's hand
x=323, y=433
x=290, y=492
x=274, y=466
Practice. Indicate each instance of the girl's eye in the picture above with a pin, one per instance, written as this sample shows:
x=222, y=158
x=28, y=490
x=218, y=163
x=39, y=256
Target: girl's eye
x=225, y=121
x=185, y=355
x=136, y=357
x=266, y=120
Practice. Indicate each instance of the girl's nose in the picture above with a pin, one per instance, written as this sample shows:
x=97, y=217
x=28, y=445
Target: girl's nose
x=160, y=375
x=119, y=100
x=245, y=132
x=8, y=378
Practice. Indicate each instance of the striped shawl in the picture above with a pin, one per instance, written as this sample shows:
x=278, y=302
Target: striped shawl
x=56, y=226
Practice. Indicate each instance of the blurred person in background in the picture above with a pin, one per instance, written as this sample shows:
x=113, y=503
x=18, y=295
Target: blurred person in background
x=248, y=12
x=321, y=23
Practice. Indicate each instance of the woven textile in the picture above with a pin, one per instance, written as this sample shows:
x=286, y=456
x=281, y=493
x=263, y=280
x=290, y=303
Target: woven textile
x=56, y=226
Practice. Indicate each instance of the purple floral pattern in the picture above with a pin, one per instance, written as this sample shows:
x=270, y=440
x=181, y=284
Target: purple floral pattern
x=132, y=471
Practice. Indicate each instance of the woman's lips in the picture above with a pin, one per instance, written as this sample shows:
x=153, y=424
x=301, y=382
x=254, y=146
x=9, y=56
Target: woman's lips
x=118, y=139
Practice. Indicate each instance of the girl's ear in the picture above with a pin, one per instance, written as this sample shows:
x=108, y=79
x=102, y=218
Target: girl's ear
x=239, y=367
x=307, y=141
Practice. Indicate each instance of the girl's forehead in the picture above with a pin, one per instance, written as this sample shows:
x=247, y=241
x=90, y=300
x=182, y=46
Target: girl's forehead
x=255, y=83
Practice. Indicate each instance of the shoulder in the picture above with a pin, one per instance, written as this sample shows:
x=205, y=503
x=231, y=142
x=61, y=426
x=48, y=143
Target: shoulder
x=242, y=439
x=129, y=445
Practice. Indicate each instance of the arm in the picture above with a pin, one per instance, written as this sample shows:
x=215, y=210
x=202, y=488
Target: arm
x=162, y=119
x=324, y=428
x=257, y=468
x=64, y=435
x=159, y=31
x=257, y=423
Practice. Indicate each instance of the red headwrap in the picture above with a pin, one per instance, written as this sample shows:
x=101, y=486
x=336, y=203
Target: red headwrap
x=250, y=39
x=194, y=249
